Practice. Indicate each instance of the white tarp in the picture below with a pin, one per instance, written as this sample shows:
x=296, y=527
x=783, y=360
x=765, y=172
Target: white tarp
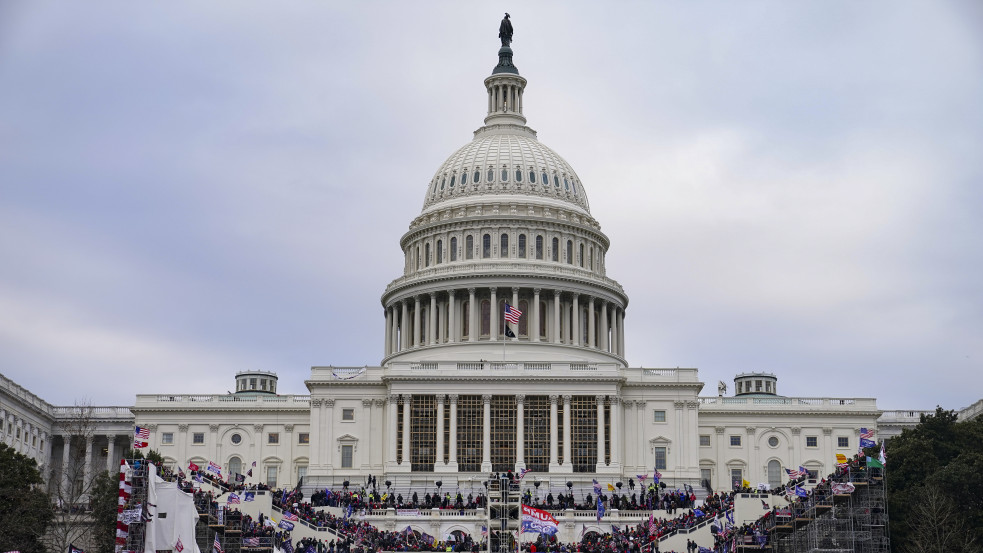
x=173, y=516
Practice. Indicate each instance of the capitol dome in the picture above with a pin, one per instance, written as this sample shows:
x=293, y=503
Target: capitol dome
x=504, y=251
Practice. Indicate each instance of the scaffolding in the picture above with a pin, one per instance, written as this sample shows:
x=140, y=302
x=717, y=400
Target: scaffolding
x=504, y=500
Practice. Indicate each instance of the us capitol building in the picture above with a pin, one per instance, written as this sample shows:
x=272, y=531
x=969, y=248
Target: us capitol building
x=505, y=222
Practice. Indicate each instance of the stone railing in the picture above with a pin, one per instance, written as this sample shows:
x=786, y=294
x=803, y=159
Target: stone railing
x=24, y=395
x=221, y=400
x=888, y=417
x=788, y=402
x=116, y=412
x=499, y=367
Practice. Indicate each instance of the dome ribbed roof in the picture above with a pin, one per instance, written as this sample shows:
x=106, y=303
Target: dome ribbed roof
x=511, y=152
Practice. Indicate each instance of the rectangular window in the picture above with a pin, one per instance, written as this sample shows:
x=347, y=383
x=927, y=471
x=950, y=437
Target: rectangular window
x=198, y=438
x=842, y=441
x=660, y=458
x=347, y=414
x=704, y=440
x=812, y=441
x=304, y=438
x=660, y=416
x=347, y=452
x=273, y=438
x=736, y=477
x=271, y=477
x=735, y=441
x=301, y=472
x=167, y=438
x=41, y=447
x=704, y=475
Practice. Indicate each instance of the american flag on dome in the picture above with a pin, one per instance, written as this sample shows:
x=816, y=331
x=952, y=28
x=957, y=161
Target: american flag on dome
x=512, y=314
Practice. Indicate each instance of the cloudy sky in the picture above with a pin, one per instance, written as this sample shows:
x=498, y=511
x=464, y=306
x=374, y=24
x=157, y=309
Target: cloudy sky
x=190, y=189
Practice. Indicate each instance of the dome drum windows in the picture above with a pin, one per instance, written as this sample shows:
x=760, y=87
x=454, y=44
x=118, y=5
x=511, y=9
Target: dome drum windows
x=518, y=174
x=453, y=252
x=476, y=176
x=503, y=250
x=539, y=247
x=469, y=247
x=522, y=246
x=556, y=181
x=464, y=177
x=486, y=246
x=532, y=176
x=555, y=253
x=505, y=174
x=570, y=252
x=453, y=177
x=426, y=255
x=440, y=251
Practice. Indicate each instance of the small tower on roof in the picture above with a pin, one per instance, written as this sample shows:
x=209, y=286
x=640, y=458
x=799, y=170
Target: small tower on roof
x=761, y=384
x=256, y=382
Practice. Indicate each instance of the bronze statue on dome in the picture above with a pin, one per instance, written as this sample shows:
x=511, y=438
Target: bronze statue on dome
x=505, y=31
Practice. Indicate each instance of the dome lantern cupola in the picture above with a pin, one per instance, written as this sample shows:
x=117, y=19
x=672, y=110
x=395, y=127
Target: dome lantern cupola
x=505, y=88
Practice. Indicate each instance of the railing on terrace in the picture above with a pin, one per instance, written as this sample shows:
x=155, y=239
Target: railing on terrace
x=224, y=398
x=519, y=366
x=23, y=394
x=902, y=416
x=93, y=412
x=725, y=402
x=471, y=268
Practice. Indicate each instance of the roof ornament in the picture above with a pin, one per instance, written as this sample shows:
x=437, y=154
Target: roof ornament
x=505, y=31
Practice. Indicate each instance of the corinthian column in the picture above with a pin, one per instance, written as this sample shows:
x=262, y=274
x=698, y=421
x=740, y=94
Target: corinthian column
x=535, y=315
x=451, y=317
x=556, y=317
x=416, y=322
x=600, y=432
x=520, y=432
x=590, y=321
x=432, y=326
x=453, y=444
x=486, y=435
x=472, y=318
x=406, y=428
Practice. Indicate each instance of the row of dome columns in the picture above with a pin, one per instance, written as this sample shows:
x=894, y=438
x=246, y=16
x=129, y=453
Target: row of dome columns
x=501, y=96
x=402, y=333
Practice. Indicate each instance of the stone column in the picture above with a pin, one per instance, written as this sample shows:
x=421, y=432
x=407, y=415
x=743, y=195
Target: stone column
x=432, y=325
x=567, y=439
x=493, y=327
x=621, y=332
x=600, y=432
x=451, y=317
x=87, y=468
x=416, y=321
x=472, y=330
x=604, y=328
x=520, y=432
x=393, y=427
x=680, y=422
x=406, y=429
x=535, y=315
x=327, y=433
x=486, y=435
x=556, y=316
x=389, y=337
x=404, y=326
x=590, y=322
x=453, y=444
x=553, y=432
x=65, y=472
x=111, y=452
x=615, y=432
x=575, y=320
x=515, y=303
x=394, y=331
x=440, y=433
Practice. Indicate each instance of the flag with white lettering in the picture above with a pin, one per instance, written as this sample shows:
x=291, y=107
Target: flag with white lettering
x=538, y=521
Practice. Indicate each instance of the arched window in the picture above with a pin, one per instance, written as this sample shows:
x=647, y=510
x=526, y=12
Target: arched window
x=581, y=255
x=590, y=258
x=546, y=178
x=466, y=318
x=476, y=176
x=486, y=246
x=443, y=182
x=235, y=466
x=505, y=174
x=418, y=258
x=532, y=176
x=774, y=474
x=566, y=184
x=440, y=251
x=426, y=255
x=555, y=254
x=503, y=250
x=542, y=319
x=453, y=178
x=491, y=175
x=573, y=184
x=485, y=317
x=453, y=252
x=570, y=252
x=539, y=247
x=518, y=174
x=522, y=249
x=464, y=177
x=469, y=247
x=556, y=181
x=524, y=319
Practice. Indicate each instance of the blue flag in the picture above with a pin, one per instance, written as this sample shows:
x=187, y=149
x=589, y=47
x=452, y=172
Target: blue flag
x=249, y=496
x=597, y=487
x=698, y=512
x=286, y=525
x=799, y=491
x=348, y=513
x=600, y=510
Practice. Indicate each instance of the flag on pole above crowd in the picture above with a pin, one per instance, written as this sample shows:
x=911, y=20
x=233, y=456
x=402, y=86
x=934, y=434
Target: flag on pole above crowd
x=536, y=520
x=641, y=477
x=522, y=472
x=140, y=437
x=249, y=496
x=657, y=476
x=841, y=460
x=233, y=499
x=793, y=473
x=597, y=487
x=217, y=546
x=194, y=467
x=883, y=456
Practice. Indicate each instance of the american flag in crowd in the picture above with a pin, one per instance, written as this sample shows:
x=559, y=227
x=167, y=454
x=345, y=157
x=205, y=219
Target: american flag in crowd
x=484, y=531
x=866, y=434
x=793, y=473
x=512, y=314
x=233, y=499
x=141, y=433
x=217, y=547
x=212, y=467
x=250, y=542
x=522, y=473
x=290, y=516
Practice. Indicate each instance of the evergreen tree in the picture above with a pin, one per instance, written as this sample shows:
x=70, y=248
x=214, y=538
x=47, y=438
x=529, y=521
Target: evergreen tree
x=25, y=511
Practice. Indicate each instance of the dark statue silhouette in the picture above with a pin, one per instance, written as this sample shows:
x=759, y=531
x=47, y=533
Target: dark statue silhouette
x=505, y=31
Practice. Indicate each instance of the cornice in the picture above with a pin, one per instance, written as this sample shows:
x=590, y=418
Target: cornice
x=512, y=220
x=397, y=289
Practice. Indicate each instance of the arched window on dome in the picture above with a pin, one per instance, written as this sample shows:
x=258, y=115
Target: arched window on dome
x=464, y=177
x=546, y=178
x=581, y=255
x=532, y=176
x=491, y=175
x=426, y=255
x=573, y=184
x=555, y=254
x=570, y=252
x=418, y=258
x=539, y=247
x=453, y=178
x=522, y=249
x=453, y=251
x=524, y=321
x=505, y=174
x=590, y=258
x=443, y=182
x=485, y=318
x=486, y=246
x=566, y=185
x=476, y=176
x=440, y=251
x=503, y=249
x=469, y=247
x=518, y=174
x=556, y=181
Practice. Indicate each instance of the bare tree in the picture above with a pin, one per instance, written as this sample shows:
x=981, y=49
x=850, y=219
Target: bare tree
x=937, y=525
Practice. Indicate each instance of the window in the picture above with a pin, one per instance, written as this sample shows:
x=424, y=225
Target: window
x=347, y=414
x=660, y=416
x=555, y=254
x=167, y=437
x=532, y=177
x=775, y=474
x=704, y=440
x=735, y=441
x=41, y=447
x=505, y=174
x=705, y=475
x=476, y=176
x=303, y=437
x=464, y=178
x=503, y=250
x=539, y=247
x=236, y=438
x=570, y=252
x=486, y=246
x=453, y=251
x=546, y=178
x=812, y=441
x=491, y=175
x=302, y=470
x=453, y=178
x=252, y=383
x=773, y=441
x=581, y=260
x=271, y=477
x=518, y=175
x=660, y=458
x=273, y=438
x=556, y=181
x=443, y=183
x=842, y=441
x=566, y=184
x=235, y=466
x=522, y=246
x=469, y=247
x=198, y=438
x=426, y=255
x=347, y=452
x=737, y=477
x=262, y=384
